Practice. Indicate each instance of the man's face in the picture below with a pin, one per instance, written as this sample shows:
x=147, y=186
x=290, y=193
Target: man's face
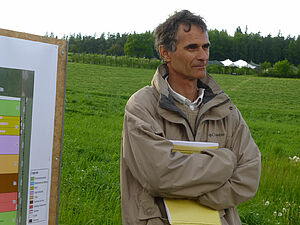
x=192, y=52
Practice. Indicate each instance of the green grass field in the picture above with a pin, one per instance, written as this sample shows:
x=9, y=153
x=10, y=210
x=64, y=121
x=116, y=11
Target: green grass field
x=95, y=100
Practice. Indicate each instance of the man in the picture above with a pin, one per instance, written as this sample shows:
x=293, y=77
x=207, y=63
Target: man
x=184, y=103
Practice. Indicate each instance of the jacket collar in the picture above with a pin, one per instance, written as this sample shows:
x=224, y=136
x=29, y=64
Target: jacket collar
x=161, y=86
x=208, y=83
x=158, y=80
x=212, y=91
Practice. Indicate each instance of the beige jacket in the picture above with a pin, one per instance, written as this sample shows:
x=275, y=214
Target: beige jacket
x=220, y=178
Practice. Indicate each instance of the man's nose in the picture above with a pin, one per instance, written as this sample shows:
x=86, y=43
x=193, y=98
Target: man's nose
x=202, y=54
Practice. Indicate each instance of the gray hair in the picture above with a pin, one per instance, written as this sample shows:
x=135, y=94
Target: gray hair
x=165, y=33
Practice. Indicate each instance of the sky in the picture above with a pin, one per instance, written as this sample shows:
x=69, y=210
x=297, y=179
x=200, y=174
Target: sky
x=89, y=17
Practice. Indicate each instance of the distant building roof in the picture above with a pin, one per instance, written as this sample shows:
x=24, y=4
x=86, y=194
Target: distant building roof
x=254, y=64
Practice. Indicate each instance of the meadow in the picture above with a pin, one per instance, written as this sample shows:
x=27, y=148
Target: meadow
x=95, y=99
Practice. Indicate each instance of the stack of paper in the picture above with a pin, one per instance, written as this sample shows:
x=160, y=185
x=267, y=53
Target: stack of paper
x=189, y=147
x=189, y=212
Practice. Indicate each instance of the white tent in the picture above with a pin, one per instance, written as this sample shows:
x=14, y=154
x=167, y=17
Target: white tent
x=251, y=66
x=239, y=63
x=227, y=62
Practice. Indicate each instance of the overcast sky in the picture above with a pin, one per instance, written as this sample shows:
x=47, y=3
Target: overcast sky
x=126, y=16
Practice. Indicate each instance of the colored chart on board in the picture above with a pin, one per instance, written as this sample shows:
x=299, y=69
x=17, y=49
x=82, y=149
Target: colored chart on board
x=32, y=86
x=9, y=158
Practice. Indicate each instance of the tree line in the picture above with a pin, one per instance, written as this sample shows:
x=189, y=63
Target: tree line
x=242, y=45
x=134, y=45
x=254, y=47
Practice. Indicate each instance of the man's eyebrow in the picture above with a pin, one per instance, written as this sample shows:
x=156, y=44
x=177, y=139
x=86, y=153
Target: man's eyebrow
x=194, y=46
x=191, y=46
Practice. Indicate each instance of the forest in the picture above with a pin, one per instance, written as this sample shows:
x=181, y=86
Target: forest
x=242, y=45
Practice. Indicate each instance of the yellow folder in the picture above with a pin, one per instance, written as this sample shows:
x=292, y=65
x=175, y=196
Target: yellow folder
x=189, y=212
x=189, y=147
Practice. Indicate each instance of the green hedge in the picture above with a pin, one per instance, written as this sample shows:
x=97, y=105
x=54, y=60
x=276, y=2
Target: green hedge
x=121, y=61
x=283, y=69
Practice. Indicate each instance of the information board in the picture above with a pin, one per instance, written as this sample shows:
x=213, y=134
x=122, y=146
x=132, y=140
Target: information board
x=32, y=91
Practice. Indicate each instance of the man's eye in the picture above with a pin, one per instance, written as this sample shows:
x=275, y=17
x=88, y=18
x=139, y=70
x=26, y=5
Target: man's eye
x=193, y=46
x=206, y=46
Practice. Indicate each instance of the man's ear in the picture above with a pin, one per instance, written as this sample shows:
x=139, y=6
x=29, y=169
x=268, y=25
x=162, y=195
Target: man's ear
x=165, y=54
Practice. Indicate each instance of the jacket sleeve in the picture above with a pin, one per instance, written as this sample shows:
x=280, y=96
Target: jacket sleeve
x=166, y=174
x=243, y=183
